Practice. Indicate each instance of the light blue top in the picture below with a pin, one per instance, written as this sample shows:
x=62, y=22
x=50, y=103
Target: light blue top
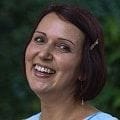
x=95, y=116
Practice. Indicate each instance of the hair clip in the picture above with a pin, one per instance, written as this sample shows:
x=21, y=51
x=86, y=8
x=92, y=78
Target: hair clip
x=94, y=44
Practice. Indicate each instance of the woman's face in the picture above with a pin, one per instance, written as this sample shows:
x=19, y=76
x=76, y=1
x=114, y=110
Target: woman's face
x=53, y=55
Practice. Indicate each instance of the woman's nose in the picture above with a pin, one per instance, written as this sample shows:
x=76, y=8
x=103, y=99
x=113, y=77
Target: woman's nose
x=46, y=54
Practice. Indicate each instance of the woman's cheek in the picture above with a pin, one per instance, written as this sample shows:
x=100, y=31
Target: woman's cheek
x=30, y=52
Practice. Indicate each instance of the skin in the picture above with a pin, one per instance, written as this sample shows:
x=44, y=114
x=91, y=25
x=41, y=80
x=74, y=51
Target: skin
x=57, y=44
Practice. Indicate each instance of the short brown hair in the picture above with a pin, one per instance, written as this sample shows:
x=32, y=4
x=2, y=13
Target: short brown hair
x=92, y=68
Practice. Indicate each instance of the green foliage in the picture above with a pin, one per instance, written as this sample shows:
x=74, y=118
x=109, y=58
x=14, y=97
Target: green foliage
x=16, y=19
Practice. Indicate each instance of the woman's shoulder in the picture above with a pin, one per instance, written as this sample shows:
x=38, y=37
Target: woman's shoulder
x=101, y=116
x=34, y=117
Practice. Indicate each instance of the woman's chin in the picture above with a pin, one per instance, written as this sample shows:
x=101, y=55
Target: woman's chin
x=40, y=87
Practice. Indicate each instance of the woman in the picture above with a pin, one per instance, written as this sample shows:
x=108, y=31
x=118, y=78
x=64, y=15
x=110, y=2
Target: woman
x=64, y=63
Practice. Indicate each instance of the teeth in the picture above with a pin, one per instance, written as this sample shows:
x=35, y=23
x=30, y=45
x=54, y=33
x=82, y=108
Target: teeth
x=44, y=69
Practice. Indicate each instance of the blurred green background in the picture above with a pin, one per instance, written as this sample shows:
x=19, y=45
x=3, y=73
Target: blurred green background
x=17, y=101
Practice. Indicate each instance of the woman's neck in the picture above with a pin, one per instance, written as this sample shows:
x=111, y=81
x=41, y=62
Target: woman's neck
x=64, y=108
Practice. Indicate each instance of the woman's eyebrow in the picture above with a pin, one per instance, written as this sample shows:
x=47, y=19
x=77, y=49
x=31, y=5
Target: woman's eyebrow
x=66, y=40
x=41, y=33
x=58, y=38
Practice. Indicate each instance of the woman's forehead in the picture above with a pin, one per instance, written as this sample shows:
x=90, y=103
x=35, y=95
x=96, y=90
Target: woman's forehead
x=52, y=24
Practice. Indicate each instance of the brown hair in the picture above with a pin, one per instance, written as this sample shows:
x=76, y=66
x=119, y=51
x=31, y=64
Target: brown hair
x=92, y=68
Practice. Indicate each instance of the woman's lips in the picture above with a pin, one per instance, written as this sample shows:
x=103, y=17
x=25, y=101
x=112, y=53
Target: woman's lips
x=43, y=71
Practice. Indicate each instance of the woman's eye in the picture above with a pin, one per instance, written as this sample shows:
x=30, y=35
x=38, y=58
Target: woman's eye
x=64, y=48
x=39, y=39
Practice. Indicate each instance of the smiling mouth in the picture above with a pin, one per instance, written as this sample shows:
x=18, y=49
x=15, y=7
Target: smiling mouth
x=44, y=69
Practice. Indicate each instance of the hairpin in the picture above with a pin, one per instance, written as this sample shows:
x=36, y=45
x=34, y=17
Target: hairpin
x=94, y=44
